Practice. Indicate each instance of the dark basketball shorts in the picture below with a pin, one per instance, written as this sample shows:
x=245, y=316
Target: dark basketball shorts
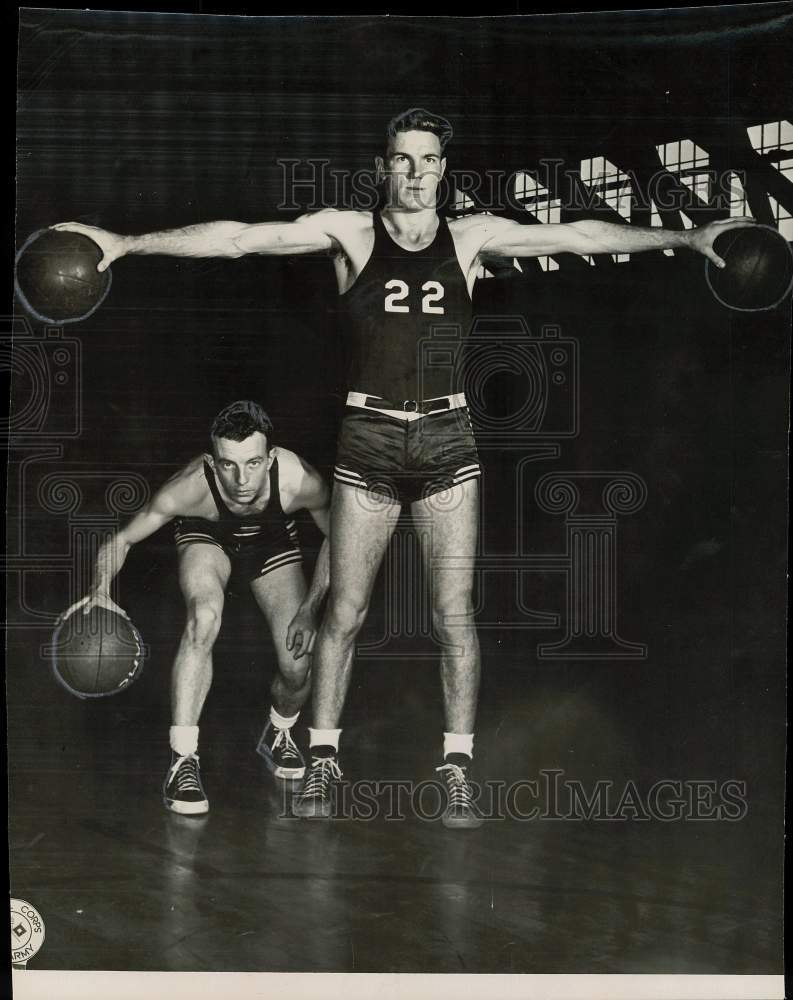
x=249, y=559
x=406, y=460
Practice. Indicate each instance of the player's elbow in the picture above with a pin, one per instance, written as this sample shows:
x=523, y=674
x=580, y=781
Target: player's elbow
x=114, y=550
x=122, y=545
x=235, y=238
x=589, y=236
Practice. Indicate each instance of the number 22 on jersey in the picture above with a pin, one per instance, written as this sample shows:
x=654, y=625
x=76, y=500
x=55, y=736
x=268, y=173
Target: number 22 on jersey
x=433, y=295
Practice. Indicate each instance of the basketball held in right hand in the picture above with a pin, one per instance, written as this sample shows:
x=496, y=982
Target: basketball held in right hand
x=112, y=245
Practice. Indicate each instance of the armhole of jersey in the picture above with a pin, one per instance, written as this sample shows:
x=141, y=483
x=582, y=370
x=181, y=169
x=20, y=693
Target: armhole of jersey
x=209, y=475
x=275, y=485
x=469, y=291
x=375, y=220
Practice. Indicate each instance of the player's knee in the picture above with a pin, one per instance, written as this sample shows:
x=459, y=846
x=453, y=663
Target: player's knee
x=203, y=623
x=451, y=614
x=345, y=617
x=296, y=675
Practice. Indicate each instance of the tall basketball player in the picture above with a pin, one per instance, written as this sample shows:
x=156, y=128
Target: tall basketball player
x=232, y=514
x=406, y=437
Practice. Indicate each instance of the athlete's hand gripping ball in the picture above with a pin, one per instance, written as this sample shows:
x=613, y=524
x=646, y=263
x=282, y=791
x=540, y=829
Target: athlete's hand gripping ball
x=111, y=244
x=93, y=600
x=703, y=237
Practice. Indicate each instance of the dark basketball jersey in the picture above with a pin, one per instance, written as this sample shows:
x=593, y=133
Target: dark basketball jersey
x=266, y=527
x=390, y=313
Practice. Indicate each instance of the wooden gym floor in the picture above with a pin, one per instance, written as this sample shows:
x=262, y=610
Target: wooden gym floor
x=122, y=884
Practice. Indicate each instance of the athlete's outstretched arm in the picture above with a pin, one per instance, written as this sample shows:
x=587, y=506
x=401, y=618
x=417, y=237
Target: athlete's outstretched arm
x=513, y=239
x=213, y=239
x=313, y=495
x=113, y=553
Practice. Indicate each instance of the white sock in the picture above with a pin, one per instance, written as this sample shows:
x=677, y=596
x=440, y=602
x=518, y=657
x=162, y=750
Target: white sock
x=282, y=721
x=458, y=743
x=324, y=737
x=184, y=739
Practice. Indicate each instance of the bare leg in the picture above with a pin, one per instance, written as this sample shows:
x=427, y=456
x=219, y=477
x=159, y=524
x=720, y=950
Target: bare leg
x=360, y=528
x=203, y=574
x=279, y=594
x=449, y=529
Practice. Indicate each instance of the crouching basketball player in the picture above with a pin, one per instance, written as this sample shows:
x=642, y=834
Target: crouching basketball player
x=232, y=510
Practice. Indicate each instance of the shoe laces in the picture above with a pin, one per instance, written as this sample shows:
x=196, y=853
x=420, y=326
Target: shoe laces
x=323, y=770
x=283, y=739
x=460, y=793
x=185, y=769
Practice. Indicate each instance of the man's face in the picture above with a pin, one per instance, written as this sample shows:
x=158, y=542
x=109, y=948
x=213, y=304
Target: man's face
x=242, y=466
x=413, y=167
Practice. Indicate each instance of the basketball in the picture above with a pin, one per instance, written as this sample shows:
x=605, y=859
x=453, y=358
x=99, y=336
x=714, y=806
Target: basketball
x=97, y=654
x=759, y=271
x=56, y=278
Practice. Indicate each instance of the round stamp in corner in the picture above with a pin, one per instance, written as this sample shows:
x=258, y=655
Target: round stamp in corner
x=27, y=932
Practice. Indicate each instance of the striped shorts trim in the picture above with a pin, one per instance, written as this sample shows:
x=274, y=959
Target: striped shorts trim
x=248, y=559
x=388, y=486
x=190, y=537
x=282, y=559
x=467, y=472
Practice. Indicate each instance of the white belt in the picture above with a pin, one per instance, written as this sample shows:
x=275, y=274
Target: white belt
x=455, y=401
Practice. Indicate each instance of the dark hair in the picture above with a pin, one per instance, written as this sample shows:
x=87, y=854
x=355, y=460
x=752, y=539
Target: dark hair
x=421, y=120
x=239, y=420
